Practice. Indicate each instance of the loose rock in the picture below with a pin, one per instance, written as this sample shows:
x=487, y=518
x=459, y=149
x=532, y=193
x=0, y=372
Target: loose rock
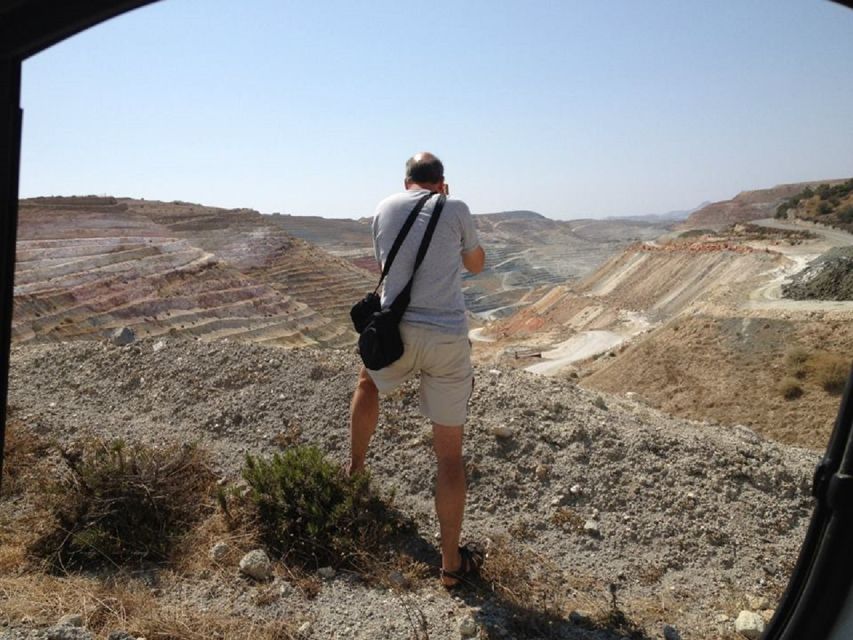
x=591, y=527
x=468, y=627
x=219, y=551
x=670, y=633
x=749, y=624
x=71, y=620
x=256, y=564
x=502, y=432
x=122, y=337
x=68, y=632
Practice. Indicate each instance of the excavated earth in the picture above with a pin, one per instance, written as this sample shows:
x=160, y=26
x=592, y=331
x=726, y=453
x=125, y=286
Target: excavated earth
x=698, y=328
x=688, y=522
x=86, y=266
x=830, y=277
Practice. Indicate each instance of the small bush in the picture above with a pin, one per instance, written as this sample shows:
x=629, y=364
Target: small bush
x=824, y=208
x=120, y=505
x=24, y=450
x=831, y=371
x=790, y=388
x=310, y=511
x=782, y=210
x=846, y=214
x=795, y=361
x=599, y=403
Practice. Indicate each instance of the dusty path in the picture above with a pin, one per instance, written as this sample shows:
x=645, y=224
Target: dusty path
x=476, y=335
x=581, y=346
x=769, y=295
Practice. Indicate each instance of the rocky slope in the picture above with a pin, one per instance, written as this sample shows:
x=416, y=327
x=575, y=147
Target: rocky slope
x=85, y=266
x=688, y=522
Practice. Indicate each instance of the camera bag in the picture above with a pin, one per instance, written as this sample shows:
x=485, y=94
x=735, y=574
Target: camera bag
x=379, y=342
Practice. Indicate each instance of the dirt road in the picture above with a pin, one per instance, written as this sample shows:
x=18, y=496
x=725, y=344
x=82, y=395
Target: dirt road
x=769, y=295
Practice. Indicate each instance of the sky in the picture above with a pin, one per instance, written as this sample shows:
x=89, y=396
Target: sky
x=568, y=108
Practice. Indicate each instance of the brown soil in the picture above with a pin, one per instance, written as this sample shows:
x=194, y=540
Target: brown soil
x=729, y=370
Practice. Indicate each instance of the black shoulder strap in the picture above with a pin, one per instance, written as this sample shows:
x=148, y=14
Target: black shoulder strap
x=401, y=302
x=398, y=242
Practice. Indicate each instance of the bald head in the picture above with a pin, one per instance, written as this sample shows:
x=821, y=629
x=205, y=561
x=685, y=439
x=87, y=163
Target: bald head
x=424, y=169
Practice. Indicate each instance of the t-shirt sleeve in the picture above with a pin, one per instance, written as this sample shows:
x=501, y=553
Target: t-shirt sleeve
x=470, y=240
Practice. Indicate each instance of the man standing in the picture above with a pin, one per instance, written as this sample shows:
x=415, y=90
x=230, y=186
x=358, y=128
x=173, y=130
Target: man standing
x=434, y=330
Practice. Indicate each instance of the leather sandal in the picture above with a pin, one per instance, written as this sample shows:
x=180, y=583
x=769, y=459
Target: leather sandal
x=472, y=560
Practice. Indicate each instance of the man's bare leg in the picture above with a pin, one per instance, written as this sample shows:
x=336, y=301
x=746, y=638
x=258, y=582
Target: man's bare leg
x=450, y=492
x=364, y=414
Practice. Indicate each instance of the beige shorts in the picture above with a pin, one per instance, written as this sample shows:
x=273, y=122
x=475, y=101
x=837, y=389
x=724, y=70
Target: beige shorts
x=444, y=362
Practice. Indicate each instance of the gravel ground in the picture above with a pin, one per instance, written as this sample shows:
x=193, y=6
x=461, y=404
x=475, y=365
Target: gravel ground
x=690, y=522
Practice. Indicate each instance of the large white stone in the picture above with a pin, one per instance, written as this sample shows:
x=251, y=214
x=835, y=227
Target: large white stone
x=256, y=564
x=749, y=625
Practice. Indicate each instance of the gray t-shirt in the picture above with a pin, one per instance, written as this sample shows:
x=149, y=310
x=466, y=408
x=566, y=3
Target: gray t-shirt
x=437, y=300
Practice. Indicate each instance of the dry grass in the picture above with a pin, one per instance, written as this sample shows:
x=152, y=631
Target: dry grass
x=796, y=359
x=539, y=597
x=114, y=505
x=830, y=371
x=790, y=388
x=127, y=605
x=568, y=519
x=527, y=583
x=23, y=452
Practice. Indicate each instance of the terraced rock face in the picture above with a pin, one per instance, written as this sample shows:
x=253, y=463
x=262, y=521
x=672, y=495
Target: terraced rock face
x=657, y=282
x=88, y=265
x=526, y=253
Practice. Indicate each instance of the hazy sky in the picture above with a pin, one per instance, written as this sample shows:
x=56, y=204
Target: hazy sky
x=564, y=107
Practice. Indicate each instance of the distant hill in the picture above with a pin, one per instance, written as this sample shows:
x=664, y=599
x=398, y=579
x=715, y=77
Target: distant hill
x=512, y=215
x=745, y=206
x=525, y=250
x=829, y=204
x=669, y=216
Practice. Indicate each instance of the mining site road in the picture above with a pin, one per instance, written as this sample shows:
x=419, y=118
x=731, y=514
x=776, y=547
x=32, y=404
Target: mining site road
x=832, y=237
x=581, y=346
x=769, y=295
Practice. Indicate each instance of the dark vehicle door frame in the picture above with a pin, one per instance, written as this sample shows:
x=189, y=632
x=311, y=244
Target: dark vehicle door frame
x=819, y=589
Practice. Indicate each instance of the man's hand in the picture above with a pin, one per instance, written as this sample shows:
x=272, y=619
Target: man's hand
x=474, y=260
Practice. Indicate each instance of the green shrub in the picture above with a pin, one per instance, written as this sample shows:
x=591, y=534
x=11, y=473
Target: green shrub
x=310, y=511
x=790, y=388
x=846, y=214
x=121, y=505
x=824, y=208
x=782, y=210
x=831, y=371
x=824, y=191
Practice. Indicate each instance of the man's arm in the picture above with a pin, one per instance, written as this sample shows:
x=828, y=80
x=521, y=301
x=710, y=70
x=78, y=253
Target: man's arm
x=474, y=260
